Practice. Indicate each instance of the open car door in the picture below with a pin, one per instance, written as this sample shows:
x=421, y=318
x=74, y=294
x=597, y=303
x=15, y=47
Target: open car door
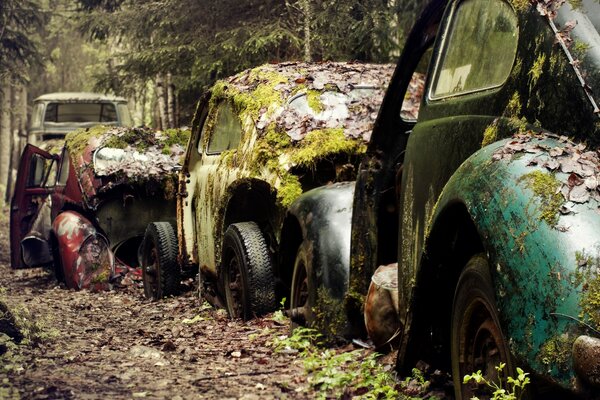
x=30, y=204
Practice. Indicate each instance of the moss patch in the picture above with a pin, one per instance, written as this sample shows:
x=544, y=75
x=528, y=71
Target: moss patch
x=490, y=135
x=537, y=69
x=330, y=319
x=556, y=352
x=590, y=302
x=323, y=142
x=545, y=186
x=313, y=98
x=514, y=106
x=520, y=5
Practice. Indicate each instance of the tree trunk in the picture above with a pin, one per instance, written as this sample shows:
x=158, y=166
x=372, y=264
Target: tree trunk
x=19, y=132
x=5, y=137
x=305, y=5
x=170, y=101
x=161, y=103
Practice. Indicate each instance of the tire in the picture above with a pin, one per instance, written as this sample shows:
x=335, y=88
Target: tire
x=247, y=272
x=160, y=271
x=303, y=295
x=477, y=342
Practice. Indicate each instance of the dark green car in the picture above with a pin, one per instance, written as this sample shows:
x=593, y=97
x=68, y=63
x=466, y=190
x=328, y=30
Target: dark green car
x=488, y=201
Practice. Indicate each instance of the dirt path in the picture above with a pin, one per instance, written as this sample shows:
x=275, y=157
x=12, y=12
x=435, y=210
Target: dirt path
x=118, y=345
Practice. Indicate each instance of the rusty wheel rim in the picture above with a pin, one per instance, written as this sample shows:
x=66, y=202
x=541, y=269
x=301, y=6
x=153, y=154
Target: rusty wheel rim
x=152, y=272
x=234, y=288
x=301, y=288
x=482, y=348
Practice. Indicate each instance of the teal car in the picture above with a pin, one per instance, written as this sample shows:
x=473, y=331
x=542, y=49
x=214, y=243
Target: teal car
x=487, y=199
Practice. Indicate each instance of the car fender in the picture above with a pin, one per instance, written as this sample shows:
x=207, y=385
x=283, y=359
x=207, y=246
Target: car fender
x=544, y=250
x=83, y=267
x=324, y=215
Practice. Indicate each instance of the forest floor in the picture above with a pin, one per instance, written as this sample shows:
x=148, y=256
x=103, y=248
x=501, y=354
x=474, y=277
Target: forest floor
x=63, y=344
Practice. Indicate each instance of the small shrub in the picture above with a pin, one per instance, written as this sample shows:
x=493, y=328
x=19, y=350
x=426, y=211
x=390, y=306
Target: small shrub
x=512, y=389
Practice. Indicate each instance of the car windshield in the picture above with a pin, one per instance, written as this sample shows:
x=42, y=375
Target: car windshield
x=585, y=45
x=80, y=112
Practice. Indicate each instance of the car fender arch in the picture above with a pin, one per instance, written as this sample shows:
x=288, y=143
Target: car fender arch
x=72, y=231
x=541, y=247
x=324, y=217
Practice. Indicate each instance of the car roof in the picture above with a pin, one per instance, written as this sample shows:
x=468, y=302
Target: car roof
x=272, y=86
x=78, y=97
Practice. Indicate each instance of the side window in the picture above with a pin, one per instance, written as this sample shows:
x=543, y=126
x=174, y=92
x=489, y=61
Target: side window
x=416, y=88
x=42, y=172
x=227, y=131
x=479, y=48
x=63, y=175
x=124, y=115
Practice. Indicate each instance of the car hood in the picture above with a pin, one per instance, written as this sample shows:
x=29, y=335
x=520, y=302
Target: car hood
x=106, y=158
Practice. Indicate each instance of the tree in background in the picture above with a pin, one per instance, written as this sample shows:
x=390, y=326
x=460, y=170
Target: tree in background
x=195, y=42
x=19, y=19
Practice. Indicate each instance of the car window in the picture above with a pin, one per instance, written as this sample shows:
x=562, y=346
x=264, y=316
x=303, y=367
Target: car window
x=80, y=112
x=42, y=172
x=479, y=49
x=124, y=114
x=227, y=131
x=64, y=169
x=414, y=93
x=37, y=115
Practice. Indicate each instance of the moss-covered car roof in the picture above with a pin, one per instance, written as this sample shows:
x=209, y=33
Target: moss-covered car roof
x=268, y=93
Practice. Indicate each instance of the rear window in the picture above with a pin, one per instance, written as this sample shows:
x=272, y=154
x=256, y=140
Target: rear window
x=80, y=112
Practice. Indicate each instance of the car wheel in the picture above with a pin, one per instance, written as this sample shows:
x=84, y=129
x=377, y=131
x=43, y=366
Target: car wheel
x=160, y=270
x=303, y=295
x=477, y=341
x=247, y=272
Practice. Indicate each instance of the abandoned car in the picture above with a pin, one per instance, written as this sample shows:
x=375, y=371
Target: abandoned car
x=259, y=139
x=488, y=202
x=84, y=210
x=56, y=114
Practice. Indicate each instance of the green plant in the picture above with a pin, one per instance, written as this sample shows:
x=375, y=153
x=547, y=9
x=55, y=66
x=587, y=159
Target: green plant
x=336, y=374
x=514, y=386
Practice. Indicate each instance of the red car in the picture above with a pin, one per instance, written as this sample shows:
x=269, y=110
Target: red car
x=84, y=210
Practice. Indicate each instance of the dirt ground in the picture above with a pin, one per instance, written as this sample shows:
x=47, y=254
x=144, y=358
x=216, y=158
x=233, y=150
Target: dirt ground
x=118, y=345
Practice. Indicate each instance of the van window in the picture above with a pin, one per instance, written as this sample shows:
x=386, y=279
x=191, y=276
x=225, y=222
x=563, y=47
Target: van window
x=80, y=112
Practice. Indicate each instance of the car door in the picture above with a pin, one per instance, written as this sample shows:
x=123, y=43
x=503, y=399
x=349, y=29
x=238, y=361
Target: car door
x=375, y=210
x=35, y=183
x=467, y=91
x=211, y=175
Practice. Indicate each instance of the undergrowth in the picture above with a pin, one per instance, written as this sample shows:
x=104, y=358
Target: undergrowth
x=340, y=374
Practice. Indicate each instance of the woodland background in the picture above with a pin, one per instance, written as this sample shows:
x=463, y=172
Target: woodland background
x=162, y=54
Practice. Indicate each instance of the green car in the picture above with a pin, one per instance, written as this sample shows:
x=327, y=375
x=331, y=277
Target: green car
x=488, y=201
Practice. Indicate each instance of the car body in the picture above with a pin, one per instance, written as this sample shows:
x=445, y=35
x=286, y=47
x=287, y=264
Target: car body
x=487, y=201
x=56, y=114
x=261, y=138
x=84, y=209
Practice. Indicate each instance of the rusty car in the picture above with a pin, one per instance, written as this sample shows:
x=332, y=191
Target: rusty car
x=259, y=139
x=483, y=210
x=83, y=209
x=56, y=114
